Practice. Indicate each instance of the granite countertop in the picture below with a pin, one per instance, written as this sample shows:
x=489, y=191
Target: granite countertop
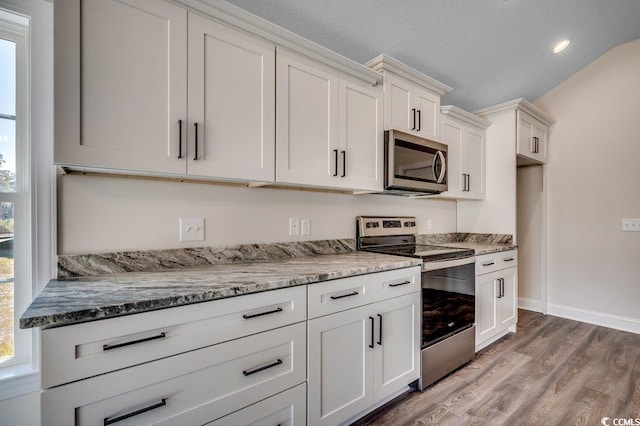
x=484, y=248
x=81, y=299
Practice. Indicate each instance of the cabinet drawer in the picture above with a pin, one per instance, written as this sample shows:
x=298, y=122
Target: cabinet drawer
x=287, y=408
x=193, y=388
x=85, y=350
x=397, y=283
x=338, y=295
x=491, y=262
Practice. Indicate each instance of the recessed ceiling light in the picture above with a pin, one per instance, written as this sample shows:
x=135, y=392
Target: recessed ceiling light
x=561, y=45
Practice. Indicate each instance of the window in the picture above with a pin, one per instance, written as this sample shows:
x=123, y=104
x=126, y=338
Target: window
x=15, y=197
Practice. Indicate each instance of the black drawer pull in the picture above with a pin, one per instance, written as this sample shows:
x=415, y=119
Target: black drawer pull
x=262, y=313
x=134, y=342
x=110, y=421
x=179, y=139
x=380, y=331
x=257, y=370
x=355, y=293
x=372, y=331
x=195, y=157
x=509, y=259
x=399, y=284
x=489, y=263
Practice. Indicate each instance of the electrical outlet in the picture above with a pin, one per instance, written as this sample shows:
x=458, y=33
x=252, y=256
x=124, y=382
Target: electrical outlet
x=294, y=226
x=305, y=226
x=429, y=224
x=631, y=225
x=191, y=229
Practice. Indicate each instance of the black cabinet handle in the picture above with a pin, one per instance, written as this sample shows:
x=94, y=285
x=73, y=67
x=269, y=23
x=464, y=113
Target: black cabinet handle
x=399, y=284
x=259, y=369
x=380, y=331
x=468, y=182
x=179, y=139
x=419, y=121
x=262, y=313
x=133, y=342
x=414, y=118
x=502, y=280
x=489, y=263
x=196, y=151
x=110, y=421
x=372, y=327
x=344, y=163
x=509, y=259
x=355, y=293
x=499, y=288
x=335, y=152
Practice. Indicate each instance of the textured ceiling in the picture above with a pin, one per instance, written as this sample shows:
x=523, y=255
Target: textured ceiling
x=489, y=51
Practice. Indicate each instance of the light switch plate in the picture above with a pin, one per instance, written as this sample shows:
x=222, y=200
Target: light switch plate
x=305, y=225
x=191, y=229
x=294, y=226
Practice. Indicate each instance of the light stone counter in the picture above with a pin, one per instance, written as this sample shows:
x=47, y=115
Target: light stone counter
x=76, y=300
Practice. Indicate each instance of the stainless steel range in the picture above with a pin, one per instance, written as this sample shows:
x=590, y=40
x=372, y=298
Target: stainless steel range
x=448, y=291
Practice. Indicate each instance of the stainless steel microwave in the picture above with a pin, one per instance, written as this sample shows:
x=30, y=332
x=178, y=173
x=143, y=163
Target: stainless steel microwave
x=413, y=165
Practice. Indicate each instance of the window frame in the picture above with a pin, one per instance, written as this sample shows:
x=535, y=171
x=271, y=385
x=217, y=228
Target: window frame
x=35, y=196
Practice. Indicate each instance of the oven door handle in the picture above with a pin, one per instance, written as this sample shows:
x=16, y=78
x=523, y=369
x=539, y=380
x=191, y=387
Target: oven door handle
x=442, y=264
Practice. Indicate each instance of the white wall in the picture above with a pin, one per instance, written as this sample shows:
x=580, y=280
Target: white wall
x=529, y=229
x=593, y=177
x=104, y=214
x=21, y=411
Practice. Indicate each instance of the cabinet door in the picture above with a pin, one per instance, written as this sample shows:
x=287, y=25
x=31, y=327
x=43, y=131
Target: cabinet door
x=473, y=162
x=397, y=360
x=486, y=306
x=398, y=112
x=232, y=99
x=452, y=134
x=508, y=309
x=340, y=359
x=427, y=106
x=306, y=123
x=121, y=84
x=360, y=136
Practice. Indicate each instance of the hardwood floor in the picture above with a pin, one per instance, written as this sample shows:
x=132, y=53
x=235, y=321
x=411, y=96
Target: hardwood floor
x=553, y=371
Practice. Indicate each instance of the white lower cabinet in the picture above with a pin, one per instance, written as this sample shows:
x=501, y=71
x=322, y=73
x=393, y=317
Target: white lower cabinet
x=496, y=296
x=362, y=356
x=192, y=388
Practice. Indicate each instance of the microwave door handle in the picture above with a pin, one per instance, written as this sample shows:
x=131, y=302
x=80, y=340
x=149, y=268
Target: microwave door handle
x=443, y=170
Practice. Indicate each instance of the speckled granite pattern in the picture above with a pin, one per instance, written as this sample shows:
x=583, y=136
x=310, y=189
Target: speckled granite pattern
x=85, y=265
x=76, y=300
x=481, y=243
x=461, y=237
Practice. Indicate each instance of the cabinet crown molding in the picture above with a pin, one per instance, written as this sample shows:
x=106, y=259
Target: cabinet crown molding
x=384, y=63
x=462, y=115
x=232, y=15
x=518, y=104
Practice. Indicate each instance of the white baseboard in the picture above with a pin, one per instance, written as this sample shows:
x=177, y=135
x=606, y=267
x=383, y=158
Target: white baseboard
x=530, y=304
x=598, y=318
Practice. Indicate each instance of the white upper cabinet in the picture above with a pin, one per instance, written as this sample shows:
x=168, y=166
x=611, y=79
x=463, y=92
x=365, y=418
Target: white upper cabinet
x=328, y=127
x=124, y=72
x=232, y=100
x=120, y=84
x=307, y=121
x=465, y=135
x=532, y=138
x=411, y=99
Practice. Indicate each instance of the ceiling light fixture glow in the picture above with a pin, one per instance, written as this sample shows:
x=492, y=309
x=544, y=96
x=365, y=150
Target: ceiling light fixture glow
x=561, y=45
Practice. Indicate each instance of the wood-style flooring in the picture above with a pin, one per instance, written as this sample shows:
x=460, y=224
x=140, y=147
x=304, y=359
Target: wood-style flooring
x=553, y=371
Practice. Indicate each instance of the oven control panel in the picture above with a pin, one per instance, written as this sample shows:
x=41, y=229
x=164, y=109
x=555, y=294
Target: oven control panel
x=375, y=226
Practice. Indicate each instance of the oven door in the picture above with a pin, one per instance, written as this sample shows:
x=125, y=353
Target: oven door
x=414, y=163
x=448, y=298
